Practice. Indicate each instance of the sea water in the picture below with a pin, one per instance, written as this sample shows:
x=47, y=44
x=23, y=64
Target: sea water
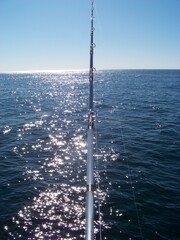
x=43, y=131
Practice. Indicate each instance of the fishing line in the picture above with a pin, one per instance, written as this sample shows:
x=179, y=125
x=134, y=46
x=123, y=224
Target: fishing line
x=98, y=179
x=98, y=21
x=132, y=187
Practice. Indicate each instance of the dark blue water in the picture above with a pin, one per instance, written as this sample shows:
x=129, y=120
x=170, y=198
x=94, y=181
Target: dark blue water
x=43, y=123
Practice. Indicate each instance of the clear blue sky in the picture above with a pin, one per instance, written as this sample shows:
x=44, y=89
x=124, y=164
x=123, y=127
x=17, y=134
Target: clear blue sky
x=54, y=34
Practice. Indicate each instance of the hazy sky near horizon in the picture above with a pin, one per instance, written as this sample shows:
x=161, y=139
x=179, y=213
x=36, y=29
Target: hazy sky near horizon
x=55, y=34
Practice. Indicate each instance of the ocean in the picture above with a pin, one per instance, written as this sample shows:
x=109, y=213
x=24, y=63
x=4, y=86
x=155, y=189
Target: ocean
x=43, y=131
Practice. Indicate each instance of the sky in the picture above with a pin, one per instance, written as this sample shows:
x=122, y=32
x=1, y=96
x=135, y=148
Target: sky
x=55, y=34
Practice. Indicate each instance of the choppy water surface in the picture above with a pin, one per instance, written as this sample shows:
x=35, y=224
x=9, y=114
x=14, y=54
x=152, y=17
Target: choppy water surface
x=43, y=123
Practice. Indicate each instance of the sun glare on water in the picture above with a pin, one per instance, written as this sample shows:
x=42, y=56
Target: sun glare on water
x=46, y=71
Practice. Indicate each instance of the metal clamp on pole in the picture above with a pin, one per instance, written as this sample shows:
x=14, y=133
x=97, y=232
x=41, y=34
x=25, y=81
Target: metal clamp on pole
x=90, y=188
x=90, y=120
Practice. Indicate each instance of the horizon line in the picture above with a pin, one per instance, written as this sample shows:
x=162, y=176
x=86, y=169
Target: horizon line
x=79, y=70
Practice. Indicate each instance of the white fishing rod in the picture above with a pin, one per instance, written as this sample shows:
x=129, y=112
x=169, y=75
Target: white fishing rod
x=90, y=134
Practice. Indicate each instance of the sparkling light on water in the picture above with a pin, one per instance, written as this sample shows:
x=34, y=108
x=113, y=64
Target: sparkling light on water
x=51, y=143
x=43, y=155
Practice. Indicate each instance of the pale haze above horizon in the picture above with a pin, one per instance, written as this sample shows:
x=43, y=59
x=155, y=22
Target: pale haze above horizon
x=41, y=35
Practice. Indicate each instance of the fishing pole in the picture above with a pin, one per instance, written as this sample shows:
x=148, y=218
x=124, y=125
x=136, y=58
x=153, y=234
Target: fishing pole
x=90, y=133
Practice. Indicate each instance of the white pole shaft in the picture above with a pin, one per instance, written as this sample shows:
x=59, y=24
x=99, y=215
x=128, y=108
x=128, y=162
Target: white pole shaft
x=90, y=160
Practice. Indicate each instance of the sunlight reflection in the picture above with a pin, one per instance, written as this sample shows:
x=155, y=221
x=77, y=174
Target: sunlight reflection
x=52, y=148
x=53, y=212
